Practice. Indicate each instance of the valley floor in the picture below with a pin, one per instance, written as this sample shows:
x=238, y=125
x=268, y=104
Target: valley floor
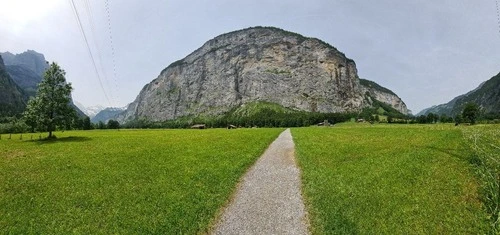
x=356, y=178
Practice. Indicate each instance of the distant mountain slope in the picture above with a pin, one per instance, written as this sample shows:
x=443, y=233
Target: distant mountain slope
x=26, y=70
x=107, y=114
x=259, y=64
x=89, y=111
x=487, y=96
x=384, y=95
x=29, y=59
x=25, y=78
x=12, y=98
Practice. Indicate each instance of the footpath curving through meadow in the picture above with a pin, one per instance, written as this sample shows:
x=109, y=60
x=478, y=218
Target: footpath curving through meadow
x=268, y=199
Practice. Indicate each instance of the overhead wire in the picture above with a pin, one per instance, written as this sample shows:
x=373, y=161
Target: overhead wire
x=498, y=15
x=115, y=76
x=90, y=18
x=77, y=15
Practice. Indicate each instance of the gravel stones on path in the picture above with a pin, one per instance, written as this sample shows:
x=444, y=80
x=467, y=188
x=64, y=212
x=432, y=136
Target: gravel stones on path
x=268, y=199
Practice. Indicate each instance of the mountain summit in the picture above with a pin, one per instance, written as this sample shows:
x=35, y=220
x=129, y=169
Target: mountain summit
x=258, y=64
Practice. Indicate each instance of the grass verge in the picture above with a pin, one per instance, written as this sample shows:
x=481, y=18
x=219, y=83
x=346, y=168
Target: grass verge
x=484, y=143
x=128, y=181
x=381, y=179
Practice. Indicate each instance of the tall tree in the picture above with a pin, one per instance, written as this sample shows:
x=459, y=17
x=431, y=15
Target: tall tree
x=471, y=112
x=87, y=125
x=112, y=124
x=50, y=108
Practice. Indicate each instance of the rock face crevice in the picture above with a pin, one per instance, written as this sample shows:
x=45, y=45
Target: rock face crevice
x=255, y=64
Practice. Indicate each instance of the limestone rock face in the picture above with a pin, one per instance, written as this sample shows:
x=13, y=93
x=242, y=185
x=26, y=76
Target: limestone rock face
x=384, y=95
x=29, y=59
x=12, y=100
x=255, y=64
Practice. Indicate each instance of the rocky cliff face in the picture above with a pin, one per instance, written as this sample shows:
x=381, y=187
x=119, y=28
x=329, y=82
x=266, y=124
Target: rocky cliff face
x=25, y=78
x=486, y=95
x=382, y=94
x=26, y=69
x=255, y=64
x=12, y=100
x=29, y=59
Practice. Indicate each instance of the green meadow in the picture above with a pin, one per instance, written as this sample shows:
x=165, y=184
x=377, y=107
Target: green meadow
x=389, y=179
x=356, y=179
x=127, y=181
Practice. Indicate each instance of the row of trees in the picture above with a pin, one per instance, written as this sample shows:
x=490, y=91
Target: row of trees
x=85, y=124
x=471, y=113
x=264, y=117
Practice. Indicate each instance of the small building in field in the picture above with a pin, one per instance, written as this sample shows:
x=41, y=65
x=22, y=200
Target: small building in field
x=324, y=123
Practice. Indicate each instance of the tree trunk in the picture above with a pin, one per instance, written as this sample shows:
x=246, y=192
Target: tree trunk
x=50, y=134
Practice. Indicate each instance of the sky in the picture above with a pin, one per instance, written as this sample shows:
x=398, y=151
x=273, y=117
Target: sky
x=426, y=51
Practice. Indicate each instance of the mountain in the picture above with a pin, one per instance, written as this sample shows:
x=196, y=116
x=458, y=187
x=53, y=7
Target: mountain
x=486, y=95
x=25, y=78
x=89, y=111
x=384, y=95
x=26, y=70
x=260, y=64
x=107, y=114
x=12, y=98
x=29, y=59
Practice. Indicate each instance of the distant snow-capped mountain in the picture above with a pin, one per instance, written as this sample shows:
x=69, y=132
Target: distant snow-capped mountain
x=107, y=114
x=90, y=111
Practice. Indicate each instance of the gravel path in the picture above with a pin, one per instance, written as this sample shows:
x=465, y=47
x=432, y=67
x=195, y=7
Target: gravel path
x=268, y=199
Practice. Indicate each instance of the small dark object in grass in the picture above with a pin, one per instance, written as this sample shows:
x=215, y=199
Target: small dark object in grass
x=198, y=126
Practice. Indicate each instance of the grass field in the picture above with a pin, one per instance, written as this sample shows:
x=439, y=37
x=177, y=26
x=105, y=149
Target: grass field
x=145, y=181
x=357, y=179
x=389, y=179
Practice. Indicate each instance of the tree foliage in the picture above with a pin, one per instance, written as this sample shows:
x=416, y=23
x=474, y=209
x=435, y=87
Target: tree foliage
x=87, y=125
x=112, y=124
x=50, y=108
x=470, y=112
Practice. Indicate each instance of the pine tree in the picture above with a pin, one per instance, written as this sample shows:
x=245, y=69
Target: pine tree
x=50, y=108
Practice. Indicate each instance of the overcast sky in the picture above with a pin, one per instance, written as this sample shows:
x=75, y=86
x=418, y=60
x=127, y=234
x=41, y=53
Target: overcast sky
x=426, y=51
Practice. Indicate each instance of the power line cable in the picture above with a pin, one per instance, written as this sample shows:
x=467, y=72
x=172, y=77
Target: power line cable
x=115, y=76
x=75, y=11
x=90, y=18
x=498, y=15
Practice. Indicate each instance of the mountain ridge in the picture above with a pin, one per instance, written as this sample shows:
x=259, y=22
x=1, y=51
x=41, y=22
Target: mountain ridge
x=256, y=64
x=486, y=95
